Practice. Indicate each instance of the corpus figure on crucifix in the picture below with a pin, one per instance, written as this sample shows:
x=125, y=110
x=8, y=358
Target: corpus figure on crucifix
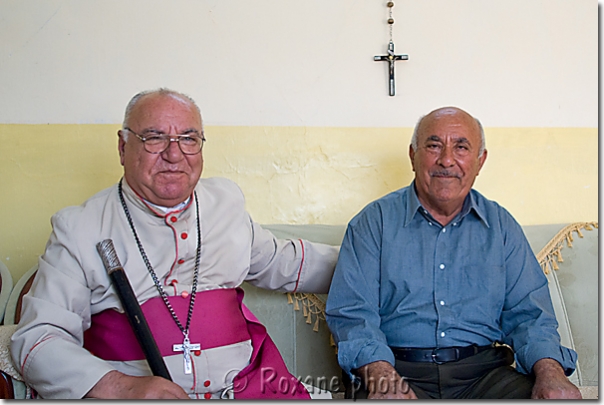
x=391, y=57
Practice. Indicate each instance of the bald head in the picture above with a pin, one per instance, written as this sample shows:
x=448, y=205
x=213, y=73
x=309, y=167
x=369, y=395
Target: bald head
x=443, y=112
x=157, y=92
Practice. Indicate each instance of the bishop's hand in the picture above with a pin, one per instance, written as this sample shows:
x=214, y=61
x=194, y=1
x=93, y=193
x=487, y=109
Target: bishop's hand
x=116, y=385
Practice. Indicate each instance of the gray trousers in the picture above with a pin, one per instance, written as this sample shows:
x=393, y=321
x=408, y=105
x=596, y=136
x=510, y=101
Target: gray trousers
x=486, y=375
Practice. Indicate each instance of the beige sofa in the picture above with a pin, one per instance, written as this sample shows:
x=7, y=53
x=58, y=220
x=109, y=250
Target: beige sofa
x=296, y=322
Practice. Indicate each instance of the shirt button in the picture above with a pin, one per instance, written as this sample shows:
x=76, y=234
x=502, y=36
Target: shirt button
x=444, y=230
x=198, y=353
x=174, y=282
x=207, y=395
x=184, y=235
x=430, y=223
x=442, y=303
x=181, y=261
x=442, y=266
x=442, y=334
x=206, y=383
x=184, y=294
x=454, y=223
x=173, y=219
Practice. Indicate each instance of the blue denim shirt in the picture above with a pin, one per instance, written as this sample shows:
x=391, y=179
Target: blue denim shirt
x=404, y=280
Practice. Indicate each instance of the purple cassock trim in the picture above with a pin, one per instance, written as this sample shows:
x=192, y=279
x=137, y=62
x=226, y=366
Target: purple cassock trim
x=219, y=319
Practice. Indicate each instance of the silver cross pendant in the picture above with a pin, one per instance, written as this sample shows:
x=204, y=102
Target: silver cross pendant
x=186, y=348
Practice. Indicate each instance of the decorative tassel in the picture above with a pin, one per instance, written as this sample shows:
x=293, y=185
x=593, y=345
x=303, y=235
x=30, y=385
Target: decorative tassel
x=579, y=232
x=296, y=306
x=309, y=318
x=304, y=311
x=316, y=327
x=555, y=265
x=289, y=298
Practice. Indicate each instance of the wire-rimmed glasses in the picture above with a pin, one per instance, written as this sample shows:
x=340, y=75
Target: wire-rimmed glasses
x=190, y=143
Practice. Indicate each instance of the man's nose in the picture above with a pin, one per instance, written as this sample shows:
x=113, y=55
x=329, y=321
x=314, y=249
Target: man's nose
x=173, y=153
x=446, y=158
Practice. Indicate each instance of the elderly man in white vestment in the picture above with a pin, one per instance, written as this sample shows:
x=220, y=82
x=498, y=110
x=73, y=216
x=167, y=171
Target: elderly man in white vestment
x=186, y=245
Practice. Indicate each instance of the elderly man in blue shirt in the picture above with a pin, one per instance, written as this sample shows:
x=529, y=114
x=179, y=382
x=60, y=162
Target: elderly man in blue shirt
x=437, y=292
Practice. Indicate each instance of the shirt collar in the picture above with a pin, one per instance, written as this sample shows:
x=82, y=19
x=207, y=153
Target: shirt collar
x=165, y=210
x=413, y=204
x=469, y=204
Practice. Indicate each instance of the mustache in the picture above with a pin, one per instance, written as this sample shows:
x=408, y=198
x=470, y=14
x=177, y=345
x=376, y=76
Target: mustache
x=445, y=173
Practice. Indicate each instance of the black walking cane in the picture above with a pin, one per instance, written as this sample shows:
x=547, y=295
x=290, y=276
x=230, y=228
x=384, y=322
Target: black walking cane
x=132, y=309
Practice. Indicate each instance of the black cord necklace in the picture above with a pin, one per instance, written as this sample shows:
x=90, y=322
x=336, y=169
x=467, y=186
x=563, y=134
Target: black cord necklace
x=186, y=346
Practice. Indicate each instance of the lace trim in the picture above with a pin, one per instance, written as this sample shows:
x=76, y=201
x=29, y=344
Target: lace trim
x=551, y=254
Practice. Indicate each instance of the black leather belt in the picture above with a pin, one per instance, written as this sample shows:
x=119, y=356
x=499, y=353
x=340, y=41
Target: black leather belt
x=438, y=355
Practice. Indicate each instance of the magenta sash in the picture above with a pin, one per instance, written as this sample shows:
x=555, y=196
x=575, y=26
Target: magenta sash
x=219, y=319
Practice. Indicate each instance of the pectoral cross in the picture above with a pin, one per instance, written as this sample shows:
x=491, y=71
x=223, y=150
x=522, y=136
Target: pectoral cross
x=391, y=58
x=186, y=348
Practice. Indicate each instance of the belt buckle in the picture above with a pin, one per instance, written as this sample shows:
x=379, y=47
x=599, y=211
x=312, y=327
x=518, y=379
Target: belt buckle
x=435, y=356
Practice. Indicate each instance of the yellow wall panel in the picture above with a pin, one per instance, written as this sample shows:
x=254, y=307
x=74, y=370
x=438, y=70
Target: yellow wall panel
x=290, y=174
x=543, y=175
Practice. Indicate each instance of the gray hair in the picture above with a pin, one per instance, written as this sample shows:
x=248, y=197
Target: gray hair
x=416, y=135
x=160, y=91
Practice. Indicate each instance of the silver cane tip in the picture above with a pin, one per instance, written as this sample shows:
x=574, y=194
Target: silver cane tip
x=108, y=255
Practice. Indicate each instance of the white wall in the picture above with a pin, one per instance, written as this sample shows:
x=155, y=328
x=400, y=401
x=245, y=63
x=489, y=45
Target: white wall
x=512, y=63
x=296, y=110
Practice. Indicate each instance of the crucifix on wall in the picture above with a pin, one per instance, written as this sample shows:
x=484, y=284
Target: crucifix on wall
x=390, y=57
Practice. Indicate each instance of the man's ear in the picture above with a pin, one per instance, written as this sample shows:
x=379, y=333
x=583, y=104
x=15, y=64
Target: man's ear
x=481, y=161
x=121, y=145
x=412, y=156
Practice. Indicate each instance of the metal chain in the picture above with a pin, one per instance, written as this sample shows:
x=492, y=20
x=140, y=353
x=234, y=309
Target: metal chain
x=162, y=292
x=390, y=18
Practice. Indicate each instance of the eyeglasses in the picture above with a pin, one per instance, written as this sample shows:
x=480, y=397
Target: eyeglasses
x=155, y=142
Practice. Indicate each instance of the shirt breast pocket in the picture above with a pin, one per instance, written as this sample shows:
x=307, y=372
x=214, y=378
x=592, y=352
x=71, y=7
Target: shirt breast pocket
x=482, y=291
